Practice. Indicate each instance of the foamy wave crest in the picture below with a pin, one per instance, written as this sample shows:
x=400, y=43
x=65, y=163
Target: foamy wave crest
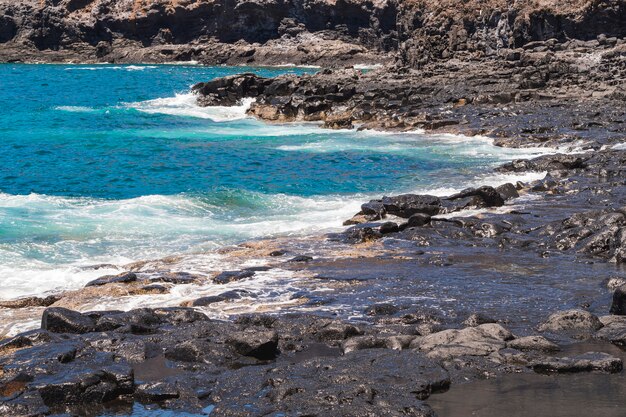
x=619, y=147
x=139, y=67
x=185, y=105
x=54, y=238
x=446, y=145
x=75, y=109
x=112, y=68
x=99, y=68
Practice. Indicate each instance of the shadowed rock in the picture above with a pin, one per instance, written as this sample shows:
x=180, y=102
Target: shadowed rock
x=618, y=305
x=261, y=345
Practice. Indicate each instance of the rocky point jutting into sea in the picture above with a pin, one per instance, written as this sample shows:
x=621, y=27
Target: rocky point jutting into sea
x=419, y=296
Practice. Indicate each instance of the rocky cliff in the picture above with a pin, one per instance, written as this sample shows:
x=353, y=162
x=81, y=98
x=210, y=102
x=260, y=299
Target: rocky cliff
x=325, y=32
x=474, y=29
x=212, y=31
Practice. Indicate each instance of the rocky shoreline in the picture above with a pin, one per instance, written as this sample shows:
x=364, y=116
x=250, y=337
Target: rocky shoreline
x=420, y=293
x=388, y=361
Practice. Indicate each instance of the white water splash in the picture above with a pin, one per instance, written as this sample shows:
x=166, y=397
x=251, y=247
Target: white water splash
x=185, y=105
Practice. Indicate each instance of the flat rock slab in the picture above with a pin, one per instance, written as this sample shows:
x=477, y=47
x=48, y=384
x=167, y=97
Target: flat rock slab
x=533, y=343
x=481, y=340
x=232, y=276
x=591, y=361
x=367, y=383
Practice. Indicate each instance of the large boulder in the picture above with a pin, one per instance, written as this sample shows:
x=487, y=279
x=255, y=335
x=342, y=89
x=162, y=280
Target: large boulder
x=228, y=91
x=407, y=205
x=489, y=196
x=62, y=320
x=571, y=321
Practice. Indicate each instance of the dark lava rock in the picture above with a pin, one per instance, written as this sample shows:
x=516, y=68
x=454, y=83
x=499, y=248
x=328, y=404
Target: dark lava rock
x=382, y=310
x=27, y=339
x=205, y=301
x=507, y=191
x=369, y=382
x=262, y=345
x=278, y=253
x=230, y=276
x=156, y=392
x=489, y=196
x=177, y=278
x=389, y=227
x=258, y=268
x=124, y=278
x=418, y=220
x=407, y=205
x=155, y=289
x=362, y=234
x=374, y=207
x=62, y=320
x=301, y=258
x=618, y=306
x=590, y=361
x=336, y=331
x=228, y=91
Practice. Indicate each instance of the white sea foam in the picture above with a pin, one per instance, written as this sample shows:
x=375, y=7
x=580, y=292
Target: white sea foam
x=98, y=68
x=619, y=147
x=75, y=109
x=294, y=66
x=408, y=142
x=186, y=105
x=112, y=68
x=139, y=67
x=367, y=66
x=117, y=232
x=182, y=63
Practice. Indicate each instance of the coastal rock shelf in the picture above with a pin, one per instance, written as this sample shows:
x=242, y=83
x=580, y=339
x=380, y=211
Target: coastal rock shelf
x=179, y=358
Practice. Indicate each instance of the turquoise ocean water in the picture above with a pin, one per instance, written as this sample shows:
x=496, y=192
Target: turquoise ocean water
x=113, y=164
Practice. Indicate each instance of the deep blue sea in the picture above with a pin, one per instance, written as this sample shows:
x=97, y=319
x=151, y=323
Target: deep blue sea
x=113, y=164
